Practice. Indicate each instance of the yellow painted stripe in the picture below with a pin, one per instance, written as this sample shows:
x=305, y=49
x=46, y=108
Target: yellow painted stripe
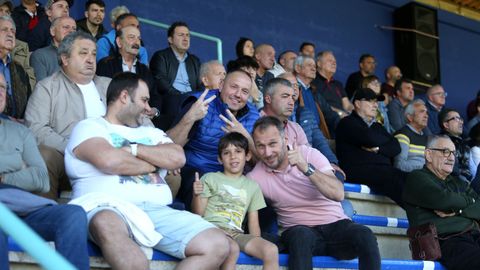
x=453, y=8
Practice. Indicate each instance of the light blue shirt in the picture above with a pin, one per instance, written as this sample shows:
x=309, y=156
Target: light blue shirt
x=181, y=82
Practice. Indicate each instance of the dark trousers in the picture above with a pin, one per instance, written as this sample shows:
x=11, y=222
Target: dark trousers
x=382, y=179
x=461, y=252
x=343, y=240
x=66, y=225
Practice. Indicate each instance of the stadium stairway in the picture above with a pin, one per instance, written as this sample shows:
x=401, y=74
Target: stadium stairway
x=386, y=219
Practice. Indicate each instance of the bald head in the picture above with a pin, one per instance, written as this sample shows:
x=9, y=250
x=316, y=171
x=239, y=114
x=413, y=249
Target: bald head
x=265, y=56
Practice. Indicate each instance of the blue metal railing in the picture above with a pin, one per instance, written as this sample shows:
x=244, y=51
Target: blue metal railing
x=194, y=34
x=34, y=245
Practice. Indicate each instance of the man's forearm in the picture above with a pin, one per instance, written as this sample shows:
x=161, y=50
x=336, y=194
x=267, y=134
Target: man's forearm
x=179, y=133
x=167, y=156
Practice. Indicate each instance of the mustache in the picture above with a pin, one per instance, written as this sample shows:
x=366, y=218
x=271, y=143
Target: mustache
x=135, y=46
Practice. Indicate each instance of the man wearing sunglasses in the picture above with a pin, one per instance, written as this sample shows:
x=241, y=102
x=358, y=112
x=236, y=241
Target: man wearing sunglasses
x=433, y=194
x=451, y=125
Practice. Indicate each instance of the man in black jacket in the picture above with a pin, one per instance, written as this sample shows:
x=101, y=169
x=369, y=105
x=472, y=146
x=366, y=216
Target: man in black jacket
x=365, y=149
x=176, y=71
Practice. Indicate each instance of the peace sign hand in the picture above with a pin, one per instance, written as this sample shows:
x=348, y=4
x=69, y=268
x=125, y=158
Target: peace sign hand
x=232, y=124
x=200, y=108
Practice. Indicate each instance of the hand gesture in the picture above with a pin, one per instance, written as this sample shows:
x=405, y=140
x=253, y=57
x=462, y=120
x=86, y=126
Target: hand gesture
x=200, y=108
x=197, y=185
x=232, y=125
x=295, y=159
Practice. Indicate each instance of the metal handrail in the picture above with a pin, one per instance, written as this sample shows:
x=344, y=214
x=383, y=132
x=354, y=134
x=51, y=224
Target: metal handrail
x=217, y=40
x=32, y=243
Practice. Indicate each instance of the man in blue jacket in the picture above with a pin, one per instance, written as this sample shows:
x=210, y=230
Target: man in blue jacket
x=206, y=117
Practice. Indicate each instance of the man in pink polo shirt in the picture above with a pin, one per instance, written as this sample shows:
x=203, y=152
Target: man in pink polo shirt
x=300, y=185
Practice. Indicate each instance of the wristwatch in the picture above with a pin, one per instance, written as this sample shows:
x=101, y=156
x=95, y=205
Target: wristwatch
x=310, y=170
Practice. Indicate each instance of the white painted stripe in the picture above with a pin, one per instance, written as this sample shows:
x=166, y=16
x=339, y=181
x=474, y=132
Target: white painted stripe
x=392, y=222
x=428, y=265
x=364, y=189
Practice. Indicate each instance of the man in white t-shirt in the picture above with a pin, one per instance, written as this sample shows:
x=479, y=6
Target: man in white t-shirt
x=62, y=100
x=120, y=157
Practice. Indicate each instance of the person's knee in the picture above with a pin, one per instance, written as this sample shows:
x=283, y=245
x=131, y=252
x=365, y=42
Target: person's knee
x=300, y=234
x=365, y=238
x=71, y=219
x=106, y=225
x=219, y=246
x=270, y=251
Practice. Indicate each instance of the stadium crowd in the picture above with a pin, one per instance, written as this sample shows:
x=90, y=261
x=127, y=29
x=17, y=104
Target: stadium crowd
x=139, y=140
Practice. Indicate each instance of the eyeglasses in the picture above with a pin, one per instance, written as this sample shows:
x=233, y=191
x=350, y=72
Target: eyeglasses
x=446, y=152
x=456, y=118
x=441, y=94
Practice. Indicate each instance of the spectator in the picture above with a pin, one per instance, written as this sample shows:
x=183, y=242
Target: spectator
x=372, y=82
x=312, y=221
x=331, y=89
x=128, y=44
x=201, y=125
x=93, y=21
x=22, y=169
x=305, y=70
x=392, y=75
x=307, y=49
x=396, y=108
x=412, y=138
x=106, y=44
x=434, y=195
x=231, y=190
x=287, y=61
x=44, y=61
x=20, y=52
x=33, y=21
x=367, y=66
x=18, y=84
x=124, y=164
x=366, y=154
x=472, y=109
x=115, y=13
x=452, y=125
x=476, y=118
x=475, y=149
x=436, y=96
x=60, y=101
x=176, y=70
x=212, y=74
x=265, y=56
x=248, y=64
x=244, y=47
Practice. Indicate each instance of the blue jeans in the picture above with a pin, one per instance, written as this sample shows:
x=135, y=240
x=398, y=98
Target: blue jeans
x=66, y=225
x=343, y=240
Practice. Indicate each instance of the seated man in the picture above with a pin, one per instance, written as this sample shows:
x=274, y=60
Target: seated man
x=436, y=98
x=22, y=166
x=118, y=158
x=205, y=119
x=367, y=65
x=433, y=195
x=396, y=108
x=412, y=138
x=330, y=88
x=365, y=149
x=250, y=65
x=60, y=101
x=451, y=125
x=265, y=57
x=106, y=45
x=212, y=74
x=300, y=184
x=44, y=60
x=392, y=75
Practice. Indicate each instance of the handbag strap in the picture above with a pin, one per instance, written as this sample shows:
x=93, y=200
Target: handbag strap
x=469, y=228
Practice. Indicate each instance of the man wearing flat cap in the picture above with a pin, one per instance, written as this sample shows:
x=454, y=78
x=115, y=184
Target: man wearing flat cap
x=365, y=149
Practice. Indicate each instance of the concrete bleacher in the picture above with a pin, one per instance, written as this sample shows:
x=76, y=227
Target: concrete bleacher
x=386, y=219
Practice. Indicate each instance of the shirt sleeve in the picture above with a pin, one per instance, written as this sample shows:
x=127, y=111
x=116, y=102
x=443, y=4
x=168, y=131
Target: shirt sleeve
x=317, y=159
x=257, y=201
x=209, y=186
x=85, y=130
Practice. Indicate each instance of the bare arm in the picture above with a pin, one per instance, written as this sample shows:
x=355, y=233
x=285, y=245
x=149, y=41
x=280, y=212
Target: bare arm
x=347, y=105
x=253, y=224
x=326, y=182
x=179, y=133
x=110, y=160
x=168, y=156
